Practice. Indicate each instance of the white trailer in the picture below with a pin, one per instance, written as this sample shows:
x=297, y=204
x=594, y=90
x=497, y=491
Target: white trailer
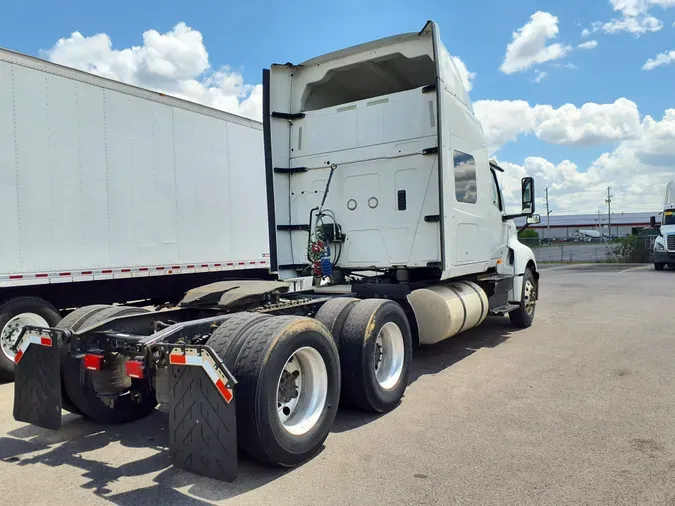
x=113, y=193
x=380, y=188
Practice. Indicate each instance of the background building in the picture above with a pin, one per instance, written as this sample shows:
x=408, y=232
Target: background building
x=562, y=226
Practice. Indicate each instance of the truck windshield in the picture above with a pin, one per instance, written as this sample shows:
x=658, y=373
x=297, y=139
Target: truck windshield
x=669, y=217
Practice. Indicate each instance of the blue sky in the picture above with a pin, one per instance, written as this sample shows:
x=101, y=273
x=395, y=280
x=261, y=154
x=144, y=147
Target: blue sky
x=249, y=36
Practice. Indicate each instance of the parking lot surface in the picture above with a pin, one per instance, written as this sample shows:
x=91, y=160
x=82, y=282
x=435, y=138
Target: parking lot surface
x=578, y=409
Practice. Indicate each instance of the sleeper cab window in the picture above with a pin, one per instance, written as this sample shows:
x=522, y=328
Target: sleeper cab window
x=465, y=177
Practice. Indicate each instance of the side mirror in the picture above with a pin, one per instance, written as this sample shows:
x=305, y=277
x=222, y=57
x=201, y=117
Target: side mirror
x=527, y=185
x=653, y=224
x=535, y=219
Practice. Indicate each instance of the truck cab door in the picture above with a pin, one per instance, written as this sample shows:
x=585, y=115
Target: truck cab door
x=498, y=227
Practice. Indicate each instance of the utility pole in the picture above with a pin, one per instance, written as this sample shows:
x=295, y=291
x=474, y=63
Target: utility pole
x=548, y=216
x=608, y=201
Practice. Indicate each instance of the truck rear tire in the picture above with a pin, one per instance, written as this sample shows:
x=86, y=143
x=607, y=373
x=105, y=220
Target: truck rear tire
x=14, y=314
x=72, y=321
x=524, y=315
x=333, y=314
x=659, y=266
x=288, y=392
x=228, y=339
x=375, y=353
x=80, y=390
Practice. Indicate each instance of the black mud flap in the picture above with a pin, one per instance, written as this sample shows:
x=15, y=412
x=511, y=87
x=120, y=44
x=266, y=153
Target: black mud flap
x=37, y=378
x=202, y=414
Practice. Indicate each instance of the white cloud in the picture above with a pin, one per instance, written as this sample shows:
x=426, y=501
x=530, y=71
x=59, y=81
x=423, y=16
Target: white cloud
x=466, y=76
x=175, y=63
x=635, y=17
x=528, y=46
x=665, y=58
x=539, y=75
x=591, y=44
x=637, y=169
x=503, y=121
x=591, y=124
x=570, y=66
x=636, y=25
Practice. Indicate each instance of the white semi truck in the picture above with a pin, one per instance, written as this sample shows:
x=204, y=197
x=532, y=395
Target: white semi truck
x=380, y=189
x=111, y=193
x=664, y=244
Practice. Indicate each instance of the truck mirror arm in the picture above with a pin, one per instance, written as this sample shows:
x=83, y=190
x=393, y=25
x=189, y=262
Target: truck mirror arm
x=508, y=217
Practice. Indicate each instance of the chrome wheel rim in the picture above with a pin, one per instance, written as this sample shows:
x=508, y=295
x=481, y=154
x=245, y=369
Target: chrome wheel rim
x=389, y=355
x=529, y=297
x=302, y=391
x=12, y=329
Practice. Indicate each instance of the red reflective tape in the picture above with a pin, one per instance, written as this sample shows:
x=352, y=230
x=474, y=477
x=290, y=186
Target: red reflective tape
x=65, y=274
x=252, y=262
x=85, y=272
x=216, y=265
x=263, y=261
x=107, y=271
x=159, y=268
x=242, y=263
x=126, y=270
x=134, y=369
x=16, y=276
x=190, y=266
x=224, y=390
x=176, y=267
x=230, y=264
x=205, y=265
x=41, y=275
x=18, y=356
x=177, y=359
x=46, y=341
x=143, y=269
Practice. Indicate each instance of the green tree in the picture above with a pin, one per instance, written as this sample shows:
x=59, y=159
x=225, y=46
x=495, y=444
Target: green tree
x=529, y=233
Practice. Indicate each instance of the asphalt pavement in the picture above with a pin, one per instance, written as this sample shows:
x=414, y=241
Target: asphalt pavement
x=577, y=409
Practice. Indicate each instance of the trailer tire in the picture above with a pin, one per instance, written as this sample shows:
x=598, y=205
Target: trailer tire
x=21, y=311
x=80, y=389
x=333, y=314
x=524, y=315
x=228, y=339
x=375, y=353
x=279, y=421
x=72, y=321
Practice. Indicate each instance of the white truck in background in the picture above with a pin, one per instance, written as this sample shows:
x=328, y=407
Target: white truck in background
x=380, y=188
x=664, y=244
x=112, y=193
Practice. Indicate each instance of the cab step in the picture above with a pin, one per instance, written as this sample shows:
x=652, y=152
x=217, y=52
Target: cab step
x=504, y=309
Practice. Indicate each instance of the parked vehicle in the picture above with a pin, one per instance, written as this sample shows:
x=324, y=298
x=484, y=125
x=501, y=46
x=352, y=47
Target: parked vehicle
x=380, y=190
x=112, y=193
x=664, y=245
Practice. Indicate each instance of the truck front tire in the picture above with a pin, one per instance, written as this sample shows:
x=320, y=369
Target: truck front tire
x=659, y=266
x=524, y=315
x=287, y=395
x=16, y=313
x=375, y=353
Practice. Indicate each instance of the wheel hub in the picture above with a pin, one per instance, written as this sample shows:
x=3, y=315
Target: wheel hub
x=302, y=391
x=389, y=355
x=529, y=296
x=12, y=329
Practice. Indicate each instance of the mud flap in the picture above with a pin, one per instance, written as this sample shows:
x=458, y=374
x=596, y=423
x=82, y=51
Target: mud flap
x=202, y=414
x=37, y=378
